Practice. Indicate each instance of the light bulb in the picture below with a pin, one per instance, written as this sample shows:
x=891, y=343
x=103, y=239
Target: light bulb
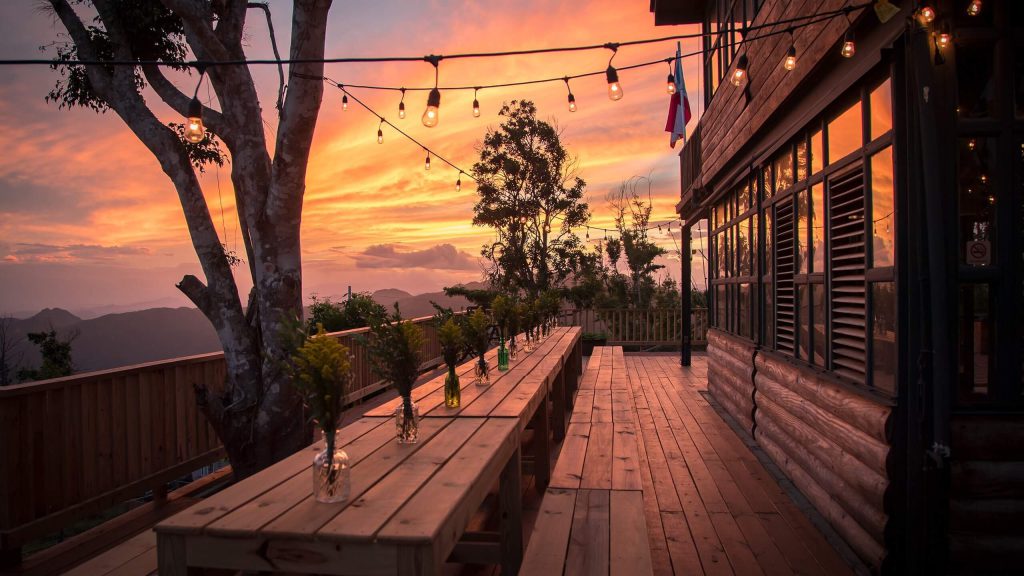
x=790, y=62
x=380, y=136
x=401, y=110
x=547, y=228
x=458, y=184
x=670, y=84
x=476, y=108
x=430, y=115
x=740, y=73
x=926, y=14
x=195, y=132
x=971, y=144
x=944, y=39
x=849, y=48
x=974, y=8
x=426, y=165
x=344, y=102
x=572, y=102
x=614, y=89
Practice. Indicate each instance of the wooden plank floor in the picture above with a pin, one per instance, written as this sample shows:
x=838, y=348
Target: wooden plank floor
x=710, y=506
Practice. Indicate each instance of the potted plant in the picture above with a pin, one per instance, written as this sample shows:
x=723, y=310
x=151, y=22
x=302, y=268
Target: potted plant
x=592, y=339
x=479, y=339
x=395, y=350
x=550, y=302
x=515, y=324
x=322, y=372
x=502, y=310
x=453, y=343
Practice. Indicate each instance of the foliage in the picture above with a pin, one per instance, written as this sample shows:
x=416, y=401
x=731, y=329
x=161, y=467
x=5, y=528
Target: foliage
x=200, y=154
x=452, y=341
x=323, y=375
x=477, y=296
x=595, y=336
x=10, y=356
x=395, y=349
x=530, y=195
x=478, y=332
x=56, y=354
x=353, y=312
x=503, y=308
x=549, y=303
x=632, y=218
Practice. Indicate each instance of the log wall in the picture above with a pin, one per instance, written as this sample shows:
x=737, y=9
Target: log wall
x=832, y=443
x=731, y=376
x=986, y=508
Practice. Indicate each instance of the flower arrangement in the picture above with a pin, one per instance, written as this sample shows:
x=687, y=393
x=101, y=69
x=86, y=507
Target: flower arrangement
x=395, y=350
x=453, y=344
x=322, y=373
x=502, y=308
x=479, y=339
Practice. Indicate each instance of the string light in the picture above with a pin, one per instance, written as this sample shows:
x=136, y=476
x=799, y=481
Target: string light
x=670, y=82
x=849, y=46
x=926, y=14
x=426, y=164
x=476, y=104
x=974, y=8
x=971, y=144
x=458, y=182
x=401, y=105
x=944, y=38
x=790, y=63
x=612, y=75
x=344, y=102
x=431, y=114
x=572, y=99
x=740, y=73
x=195, y=132
x=380, y=132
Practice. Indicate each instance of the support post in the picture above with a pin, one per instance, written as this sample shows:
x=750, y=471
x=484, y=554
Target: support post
x=685, y=283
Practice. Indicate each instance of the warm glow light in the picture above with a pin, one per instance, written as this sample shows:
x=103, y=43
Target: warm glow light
x=944, y=39
x=740, y=73
x=476, y=108
x=614, y=89
x=430, y=115
x=458, y=184
x=670, y=84
x=849, y=48
x=572, y=102
x=195, y=132
x=971, y=144
x=344, y=102
x=426, y=165
x=380, y=136
x=926, y=14
x=401, y=110
x=790, y=62
x=974, y=8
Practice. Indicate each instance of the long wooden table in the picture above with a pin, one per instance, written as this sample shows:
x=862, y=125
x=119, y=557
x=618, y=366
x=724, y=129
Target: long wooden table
x=409, y=506
x=549, y=372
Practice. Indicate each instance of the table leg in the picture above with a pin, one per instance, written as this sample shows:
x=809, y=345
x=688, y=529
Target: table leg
x=171, y=557
x=511, y=509
x=542, y=446
x=558, y=401
x=418, y=561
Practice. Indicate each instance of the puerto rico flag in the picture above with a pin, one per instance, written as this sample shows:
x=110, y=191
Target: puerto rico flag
x=679, y=105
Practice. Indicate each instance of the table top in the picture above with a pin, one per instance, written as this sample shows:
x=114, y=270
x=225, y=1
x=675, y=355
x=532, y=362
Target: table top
x=401, y=493
x=512, y=394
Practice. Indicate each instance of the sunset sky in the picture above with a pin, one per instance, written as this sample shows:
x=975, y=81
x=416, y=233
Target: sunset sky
x=87, y=219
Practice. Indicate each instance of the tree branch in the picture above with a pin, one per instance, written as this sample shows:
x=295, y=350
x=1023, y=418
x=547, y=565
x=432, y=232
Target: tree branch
x=98, y=76
x=179, y=101
x=198, y=293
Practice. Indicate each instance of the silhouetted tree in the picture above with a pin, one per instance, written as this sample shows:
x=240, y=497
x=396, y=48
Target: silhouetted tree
x=258, y=415
x=530, y=195
x=56, y=355
x=352, y=312
x=632, y=218
x=10, y=357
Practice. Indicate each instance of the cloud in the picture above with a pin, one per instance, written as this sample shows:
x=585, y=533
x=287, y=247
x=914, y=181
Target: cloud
x=35, y=252
x=439, y=257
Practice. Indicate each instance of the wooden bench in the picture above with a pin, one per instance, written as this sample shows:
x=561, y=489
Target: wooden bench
x=596, y=484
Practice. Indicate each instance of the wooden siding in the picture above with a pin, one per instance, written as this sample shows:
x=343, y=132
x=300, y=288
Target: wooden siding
x=731, y=376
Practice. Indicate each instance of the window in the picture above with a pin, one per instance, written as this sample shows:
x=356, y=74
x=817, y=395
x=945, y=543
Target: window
x=883, y=336
x=883, y=210
x=735, y=236
x=975, y=335
x=845, y=133
x=881, y=109
x=977, y=200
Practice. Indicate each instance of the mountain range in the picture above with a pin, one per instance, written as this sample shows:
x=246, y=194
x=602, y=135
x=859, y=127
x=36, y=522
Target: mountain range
x=126, y=338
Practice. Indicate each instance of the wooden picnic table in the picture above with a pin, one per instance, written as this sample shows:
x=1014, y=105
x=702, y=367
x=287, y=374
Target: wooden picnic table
x=410, y=505
x=521, y=394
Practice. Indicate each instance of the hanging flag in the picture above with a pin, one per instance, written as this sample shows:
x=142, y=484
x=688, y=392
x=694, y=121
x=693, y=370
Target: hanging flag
x=679, y=104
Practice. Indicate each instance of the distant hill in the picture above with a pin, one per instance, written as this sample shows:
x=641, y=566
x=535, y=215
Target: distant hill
x=420, y=304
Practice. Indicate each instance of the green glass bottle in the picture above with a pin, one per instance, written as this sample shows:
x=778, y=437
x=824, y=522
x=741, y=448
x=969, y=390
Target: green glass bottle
x=452, y=390
x=502, y=356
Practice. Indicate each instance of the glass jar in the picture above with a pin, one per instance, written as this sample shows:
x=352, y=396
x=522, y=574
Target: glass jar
x=332, y=476
x=502, y=356
x=482, y=373
x=407, y=422
x=452, y=390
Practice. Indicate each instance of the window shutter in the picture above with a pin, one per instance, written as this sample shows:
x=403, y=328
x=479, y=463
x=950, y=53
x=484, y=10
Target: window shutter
x=848, y=259
x=785, y=294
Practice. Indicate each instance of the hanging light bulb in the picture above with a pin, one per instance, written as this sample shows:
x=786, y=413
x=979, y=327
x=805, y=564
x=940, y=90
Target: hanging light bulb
x=572, y=99
x=458, y=183
x=430, y=115
x=401, y=105
x=971, y=144
x=614, y=89
x=476, y=104
x=926, y=14
x=943, y=39
x=426, y=164
x=670, y=82
x=740, y=73
x=588, y=232
x=790, y=62
x=522, y=220
x=849, y=47
x=380, y=136
x=195, y=132
x=344, y=103
x=974, y=8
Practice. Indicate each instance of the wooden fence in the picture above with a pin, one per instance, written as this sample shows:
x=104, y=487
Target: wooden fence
x=76, y=445
x=631, y=327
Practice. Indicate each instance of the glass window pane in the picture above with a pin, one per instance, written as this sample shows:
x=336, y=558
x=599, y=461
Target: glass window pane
x=803, y=319
x=975, y=339
x=722, y=254
x=883, y=210
x=744, y=314
x=744, y=193
x=881, y=109
x=768, y=254
x=803, y=263
x=883, y=336
x=801, y=160
x=784, y=169
x=720, y=306
x=818, y=319
x=977, y=157
x=769, y=186
x=817, y=153
x=817, y=229
x=845, y=133
x=769, y=315
x=976, y=87
x=743, y=242
x=754, y=245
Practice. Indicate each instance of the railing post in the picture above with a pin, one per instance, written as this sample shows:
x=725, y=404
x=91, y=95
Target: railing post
x=686, y=284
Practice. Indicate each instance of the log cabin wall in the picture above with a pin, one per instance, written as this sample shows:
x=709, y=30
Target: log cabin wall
x=731, y=376
x=833, y=443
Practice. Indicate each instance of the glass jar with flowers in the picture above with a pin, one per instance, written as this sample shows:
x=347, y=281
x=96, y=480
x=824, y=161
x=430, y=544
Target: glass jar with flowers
x=453, y=343
x=395, y=348
x=479, y=338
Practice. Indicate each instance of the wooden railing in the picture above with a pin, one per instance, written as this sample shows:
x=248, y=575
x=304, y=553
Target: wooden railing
x=76, y=445
x=632, y=327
